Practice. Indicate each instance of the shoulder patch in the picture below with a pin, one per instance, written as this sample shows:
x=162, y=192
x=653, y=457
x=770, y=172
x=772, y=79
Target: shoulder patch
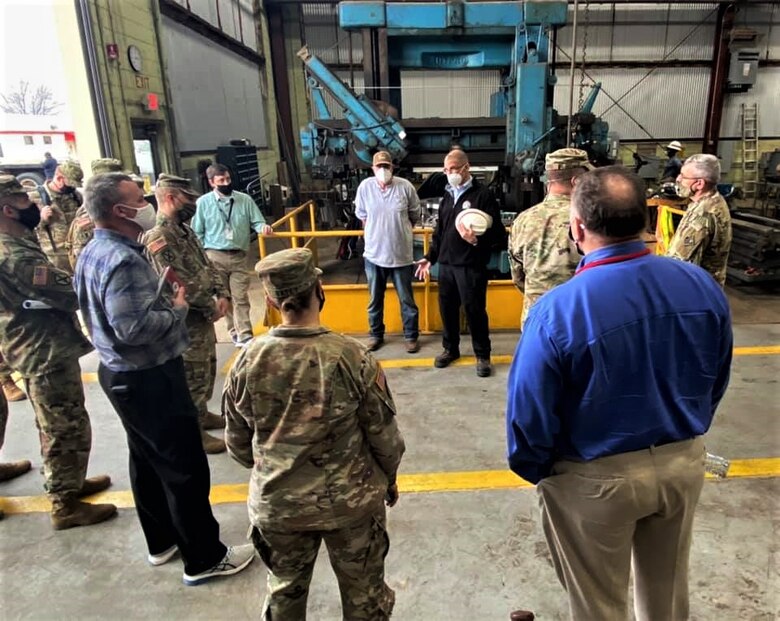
x=381, y=380
x=158, y=245
x=40, y=275
x=83, y=222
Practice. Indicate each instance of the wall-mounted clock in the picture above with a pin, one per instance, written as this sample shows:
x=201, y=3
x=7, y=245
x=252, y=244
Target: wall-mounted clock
x=135, y=58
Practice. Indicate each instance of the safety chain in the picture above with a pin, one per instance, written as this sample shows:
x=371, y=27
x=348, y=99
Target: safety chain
x=584, y=55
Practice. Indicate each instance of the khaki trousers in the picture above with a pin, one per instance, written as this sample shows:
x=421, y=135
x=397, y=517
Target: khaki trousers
x=232, y=267
x=601, y=518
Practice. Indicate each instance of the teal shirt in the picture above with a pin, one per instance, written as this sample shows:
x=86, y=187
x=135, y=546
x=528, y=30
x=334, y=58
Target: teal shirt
x=215, y=221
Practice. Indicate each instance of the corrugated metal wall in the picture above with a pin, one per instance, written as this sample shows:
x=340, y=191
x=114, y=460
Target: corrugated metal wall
x=766, y=93
x=448, y=94
x=669, y=102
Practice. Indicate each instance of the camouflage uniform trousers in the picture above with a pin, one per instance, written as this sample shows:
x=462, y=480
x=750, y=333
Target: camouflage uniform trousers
x=63, y=427
x=357, y=555
x=200, y=360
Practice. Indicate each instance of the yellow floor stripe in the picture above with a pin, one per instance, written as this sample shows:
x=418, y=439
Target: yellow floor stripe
x=408, y=484
x=413, y=362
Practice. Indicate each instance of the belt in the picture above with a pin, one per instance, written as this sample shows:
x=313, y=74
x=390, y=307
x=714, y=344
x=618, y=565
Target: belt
x=229, y=251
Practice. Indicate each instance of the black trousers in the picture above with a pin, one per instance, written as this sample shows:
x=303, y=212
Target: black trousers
x=463, y=285
x=169, y=472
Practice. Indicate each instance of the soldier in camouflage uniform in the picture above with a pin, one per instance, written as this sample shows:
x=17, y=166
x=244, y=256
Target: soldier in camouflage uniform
x=58, y=201
x=310, y=411
x=704, y=234
x=44, y=344
x=82, y=228
x=173, y=244
x=541, y=254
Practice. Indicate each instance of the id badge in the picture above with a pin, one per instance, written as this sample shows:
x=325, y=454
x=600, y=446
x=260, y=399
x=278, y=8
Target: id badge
x=228, y=233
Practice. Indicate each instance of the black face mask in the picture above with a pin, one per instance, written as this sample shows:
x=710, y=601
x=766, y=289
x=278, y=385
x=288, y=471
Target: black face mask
x=225, y=190
x=321, y=297
x=29, y=217
x=186, y=212
x=571, y=237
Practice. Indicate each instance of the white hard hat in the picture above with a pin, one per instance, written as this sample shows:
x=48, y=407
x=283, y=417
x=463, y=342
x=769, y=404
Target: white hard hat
x=475, y=219
x=674, y=145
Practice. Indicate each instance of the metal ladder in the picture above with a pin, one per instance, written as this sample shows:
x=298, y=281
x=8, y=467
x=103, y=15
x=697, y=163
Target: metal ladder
x=749, y=149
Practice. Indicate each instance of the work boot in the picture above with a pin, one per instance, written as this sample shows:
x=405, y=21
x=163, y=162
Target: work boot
x=521, y=615
x=73, y=512
x=13, y=469
x=12, y=391
x=211, y=444
x=483, y=367
x=445, y=358
x=212, y=421
x=93, y=485
x=412, y=346
x=375, y=342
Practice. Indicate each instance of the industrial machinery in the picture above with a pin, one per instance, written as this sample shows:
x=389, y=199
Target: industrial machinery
x=513, y=37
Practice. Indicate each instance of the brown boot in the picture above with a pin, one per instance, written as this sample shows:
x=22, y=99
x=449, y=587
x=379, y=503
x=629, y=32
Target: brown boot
x=93, y=485
x=72, y=513
x=13, y=469
x=12, y=391
x=521, y=615
x=212, y=421
x=211, y=444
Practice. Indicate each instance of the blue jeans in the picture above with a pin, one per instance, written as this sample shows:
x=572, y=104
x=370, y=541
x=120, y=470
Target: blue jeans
x=377, y=283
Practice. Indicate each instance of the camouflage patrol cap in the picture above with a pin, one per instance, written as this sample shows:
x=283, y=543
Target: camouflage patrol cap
x=567, y=159
x=105, y=165
x=288, y=272
x=10, y=186
x=72, y=172
x=172, y=182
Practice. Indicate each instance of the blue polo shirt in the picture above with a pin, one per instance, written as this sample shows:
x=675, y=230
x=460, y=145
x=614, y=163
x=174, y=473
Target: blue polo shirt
x=624, y=356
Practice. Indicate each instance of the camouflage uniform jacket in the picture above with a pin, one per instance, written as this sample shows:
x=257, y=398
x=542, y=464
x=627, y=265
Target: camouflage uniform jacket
x=704, y=236
x=80, y=232
x=36, y=342
x=53, y=235
x=311, y=413
x=541, y=255
x=175, y=245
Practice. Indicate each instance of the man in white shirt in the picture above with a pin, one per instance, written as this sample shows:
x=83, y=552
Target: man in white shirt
x=388, y=207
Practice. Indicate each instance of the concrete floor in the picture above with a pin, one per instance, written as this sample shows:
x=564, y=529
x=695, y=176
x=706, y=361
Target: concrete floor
x=464, y=555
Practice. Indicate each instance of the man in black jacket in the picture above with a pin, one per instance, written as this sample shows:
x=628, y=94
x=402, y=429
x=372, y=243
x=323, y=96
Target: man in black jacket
x=463, y=257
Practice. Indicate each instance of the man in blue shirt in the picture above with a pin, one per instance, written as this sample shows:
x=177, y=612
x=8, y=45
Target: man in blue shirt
x=223, y=222
x=615, y=379
x=140, y=337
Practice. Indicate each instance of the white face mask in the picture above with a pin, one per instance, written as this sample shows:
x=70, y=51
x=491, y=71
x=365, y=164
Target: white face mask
x=383, y=175
x=455, y=179
x=683, y=191
x=145, y=216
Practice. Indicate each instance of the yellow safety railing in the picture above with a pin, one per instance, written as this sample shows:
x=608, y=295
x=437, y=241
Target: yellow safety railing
x=307, y=239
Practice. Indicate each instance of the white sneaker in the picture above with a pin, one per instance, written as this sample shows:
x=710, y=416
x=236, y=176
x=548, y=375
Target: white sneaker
x=162, y=557
x=236, y=559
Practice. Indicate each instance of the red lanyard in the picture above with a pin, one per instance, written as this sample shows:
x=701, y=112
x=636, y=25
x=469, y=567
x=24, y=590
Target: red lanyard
x=616, y=259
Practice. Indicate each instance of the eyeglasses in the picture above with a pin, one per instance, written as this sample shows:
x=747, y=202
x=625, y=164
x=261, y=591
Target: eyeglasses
x=454, y=169
x=684, y=177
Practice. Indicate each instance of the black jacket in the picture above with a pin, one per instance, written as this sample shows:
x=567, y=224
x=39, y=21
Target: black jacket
x=448, y=247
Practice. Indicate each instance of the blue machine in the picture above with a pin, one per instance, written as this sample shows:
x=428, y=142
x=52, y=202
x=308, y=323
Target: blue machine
x=513, y=37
